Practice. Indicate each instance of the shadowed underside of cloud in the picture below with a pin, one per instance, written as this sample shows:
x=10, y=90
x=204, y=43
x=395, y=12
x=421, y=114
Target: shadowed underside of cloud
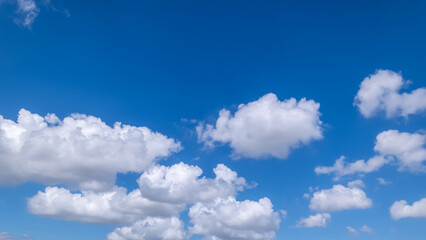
x=267, y=127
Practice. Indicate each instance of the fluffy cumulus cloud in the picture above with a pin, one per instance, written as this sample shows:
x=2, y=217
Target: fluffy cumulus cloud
x=401, y=209
x=152, y=210
x=408, y=148
x=181, y=183
x=113, y=207
x=80, y=151
x=266, y=127
x=339, y=198
x=405, y=149
x=317, y=220
x=380, y=92
x=226, y=219
x=151, y=228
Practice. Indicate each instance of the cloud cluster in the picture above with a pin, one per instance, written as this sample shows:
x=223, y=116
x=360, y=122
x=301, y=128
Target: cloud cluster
x=338, y=198
x=267, y=127
x=153, y=209
x=401, y=209
x=380, y=92
x=79, y=151
x=406, y=149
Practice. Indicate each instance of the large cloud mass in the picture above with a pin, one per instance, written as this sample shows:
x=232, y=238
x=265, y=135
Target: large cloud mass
x=80, y=151
x=113, y=207
x=266, y=127
x=380, y=92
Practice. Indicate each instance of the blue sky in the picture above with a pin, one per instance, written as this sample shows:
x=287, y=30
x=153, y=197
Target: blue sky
x=172, y=66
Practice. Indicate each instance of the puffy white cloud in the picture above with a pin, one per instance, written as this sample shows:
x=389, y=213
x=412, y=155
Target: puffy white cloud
x=342, y=168
x=151, y=228
x=339, y=198
x=226, y=219
x=408, y=148
x=366, y=229
x=380, y=92
x=29, y=10
x=266, y=127
x=352, y=230
x=317, y=220
x=114, y=207
x=181, y=183
x=80, y=151
x=401, y=209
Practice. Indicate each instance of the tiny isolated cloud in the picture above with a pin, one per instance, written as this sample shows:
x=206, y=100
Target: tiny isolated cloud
x=366, y=229
x=266, y=127
x=407, y=150
x=401, y=209
x=380, y=92
x=352, y=230
x=382, y=181
x=79, y=151
x=317, y=220
x=339, y=198
x=9, y=236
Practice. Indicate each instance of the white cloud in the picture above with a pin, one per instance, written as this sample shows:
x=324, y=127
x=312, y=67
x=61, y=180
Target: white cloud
x=181, y=183
x=318, y=220
x=401, y=209
x=356, y=184
x=226, y=219
x=81, y=151
x=342, y=168
x=383, y=181
x=266, y=127
x=408, y=148
x=352, y=230
x=380, y=92
x=113, y=207
x=29, y=10
x=339, y=198
x=366, y=229
x=151, y=229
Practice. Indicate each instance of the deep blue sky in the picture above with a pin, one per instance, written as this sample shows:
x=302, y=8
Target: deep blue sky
x=152, y=63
